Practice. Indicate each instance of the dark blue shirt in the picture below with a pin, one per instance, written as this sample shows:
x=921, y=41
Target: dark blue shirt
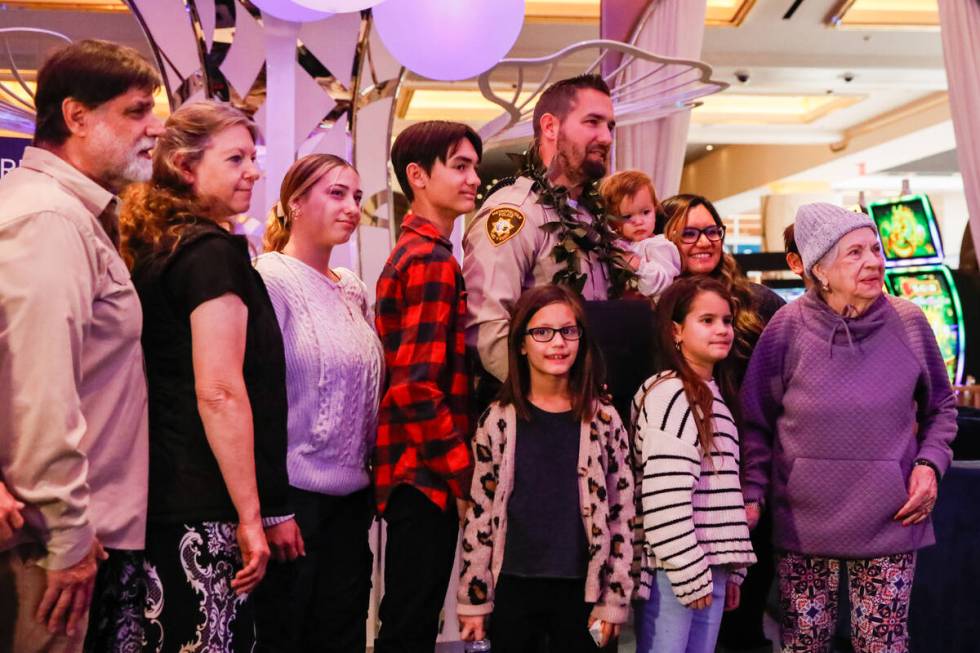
x=545, y=533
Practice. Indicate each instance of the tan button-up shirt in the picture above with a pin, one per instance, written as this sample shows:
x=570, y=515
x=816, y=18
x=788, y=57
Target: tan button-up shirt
x=73, y=406
x=505, y=253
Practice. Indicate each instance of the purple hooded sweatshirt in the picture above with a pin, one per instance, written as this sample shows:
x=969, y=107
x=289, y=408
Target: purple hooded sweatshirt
x=835, y=411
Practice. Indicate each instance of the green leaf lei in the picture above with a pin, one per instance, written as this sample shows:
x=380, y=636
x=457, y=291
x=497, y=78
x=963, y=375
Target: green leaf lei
x=576, y=238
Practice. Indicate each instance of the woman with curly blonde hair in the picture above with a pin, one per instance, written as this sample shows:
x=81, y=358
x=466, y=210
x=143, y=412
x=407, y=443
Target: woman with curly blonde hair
x=217, y=389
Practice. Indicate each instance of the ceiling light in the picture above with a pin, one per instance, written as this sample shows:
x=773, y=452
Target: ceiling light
x=752, y=108
x=724, y=13
x=111, y=6
x=885, y=14
x=710, y=147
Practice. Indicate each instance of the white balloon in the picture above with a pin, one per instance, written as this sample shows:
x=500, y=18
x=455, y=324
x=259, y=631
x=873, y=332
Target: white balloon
x=449, y=39
x=338, y=6
x=289, y=10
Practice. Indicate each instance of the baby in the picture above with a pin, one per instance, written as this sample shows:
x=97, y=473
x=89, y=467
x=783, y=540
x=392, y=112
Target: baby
x=630, y=195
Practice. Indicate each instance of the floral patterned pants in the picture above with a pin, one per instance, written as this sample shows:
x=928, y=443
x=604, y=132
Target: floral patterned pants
x=879, y=593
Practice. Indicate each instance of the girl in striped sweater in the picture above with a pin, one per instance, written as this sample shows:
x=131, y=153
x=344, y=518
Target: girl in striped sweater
x=686, y=444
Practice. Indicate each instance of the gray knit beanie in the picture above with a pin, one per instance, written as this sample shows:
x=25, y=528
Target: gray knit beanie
x=819, y=226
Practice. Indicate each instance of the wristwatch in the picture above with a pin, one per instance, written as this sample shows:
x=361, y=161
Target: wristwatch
x=930, y=464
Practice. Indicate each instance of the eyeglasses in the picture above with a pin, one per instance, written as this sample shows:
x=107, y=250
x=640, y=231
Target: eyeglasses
x=714, y=233
x=547, y=334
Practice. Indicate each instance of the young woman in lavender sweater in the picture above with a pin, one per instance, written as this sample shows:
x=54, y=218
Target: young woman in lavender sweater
x=315, y=595
x=847, y=419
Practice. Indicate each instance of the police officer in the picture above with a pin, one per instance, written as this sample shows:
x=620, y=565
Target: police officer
x=510, y=245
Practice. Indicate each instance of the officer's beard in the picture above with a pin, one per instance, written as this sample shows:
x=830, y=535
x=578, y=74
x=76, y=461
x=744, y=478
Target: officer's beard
x=576, y=164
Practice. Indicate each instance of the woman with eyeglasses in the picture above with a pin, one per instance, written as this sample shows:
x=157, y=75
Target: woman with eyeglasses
x=693, y=224
x=546, y=541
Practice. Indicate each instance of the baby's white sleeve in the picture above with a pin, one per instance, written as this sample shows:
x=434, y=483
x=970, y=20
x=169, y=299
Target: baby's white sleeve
x=660, y=264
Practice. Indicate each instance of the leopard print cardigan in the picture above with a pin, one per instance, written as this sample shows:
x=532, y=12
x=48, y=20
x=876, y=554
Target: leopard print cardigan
x=605, y=495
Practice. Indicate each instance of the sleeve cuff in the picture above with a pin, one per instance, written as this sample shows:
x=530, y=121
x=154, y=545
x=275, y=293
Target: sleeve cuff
x=467, y=610
x=269, y=522
x=614, y=614
x=68, y=550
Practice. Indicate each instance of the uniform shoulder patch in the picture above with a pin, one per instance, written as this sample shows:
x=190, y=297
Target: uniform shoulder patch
x=503, y=223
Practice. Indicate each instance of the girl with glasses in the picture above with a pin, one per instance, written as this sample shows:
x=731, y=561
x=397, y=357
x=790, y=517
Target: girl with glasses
x=547, y=542
x=693, y=515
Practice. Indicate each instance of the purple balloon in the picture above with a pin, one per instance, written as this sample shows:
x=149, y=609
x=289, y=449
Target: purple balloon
x=338, y=6
x=449, y=39
x=289, y=10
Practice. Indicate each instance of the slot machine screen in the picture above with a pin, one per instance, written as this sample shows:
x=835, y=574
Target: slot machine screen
x=908, y=229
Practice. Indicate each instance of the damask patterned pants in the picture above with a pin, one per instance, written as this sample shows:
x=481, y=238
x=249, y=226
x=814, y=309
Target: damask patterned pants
x=879, y=593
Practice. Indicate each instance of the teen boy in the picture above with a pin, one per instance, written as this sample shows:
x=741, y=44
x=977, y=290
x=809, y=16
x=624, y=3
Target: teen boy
x=423, y=464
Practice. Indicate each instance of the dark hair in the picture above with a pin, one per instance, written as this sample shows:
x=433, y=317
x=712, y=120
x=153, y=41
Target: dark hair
x=748, y=323
x=558, y=98
x=789, y=240
x=673, y=307
x=425, y=142
x=585, y=376
x=92, y=72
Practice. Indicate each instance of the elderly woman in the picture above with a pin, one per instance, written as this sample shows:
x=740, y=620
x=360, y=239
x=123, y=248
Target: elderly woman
x=847, y=419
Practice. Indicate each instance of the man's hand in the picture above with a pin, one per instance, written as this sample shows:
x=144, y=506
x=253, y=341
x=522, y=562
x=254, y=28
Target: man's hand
x=255, y=556
x=923, y=490
x=69, y=592
x=11, y=520
x=733, y=596
x=472, y=628
x=753, y=511
x=285, y=541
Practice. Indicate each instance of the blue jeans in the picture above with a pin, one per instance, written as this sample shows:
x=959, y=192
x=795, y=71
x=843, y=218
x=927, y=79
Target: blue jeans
x=665, y=625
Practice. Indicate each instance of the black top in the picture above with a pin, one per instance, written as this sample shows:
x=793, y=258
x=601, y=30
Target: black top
x=185, y=480
x=545, y=533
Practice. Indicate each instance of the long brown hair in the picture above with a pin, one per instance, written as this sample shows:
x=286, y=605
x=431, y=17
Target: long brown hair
x=673, y=308
x=155, y=214
x=586, y=373
x=299, y=179
x=748, y=324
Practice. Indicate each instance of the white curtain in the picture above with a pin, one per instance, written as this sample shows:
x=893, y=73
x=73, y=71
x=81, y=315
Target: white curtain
x=675, y=29
x=960, y=23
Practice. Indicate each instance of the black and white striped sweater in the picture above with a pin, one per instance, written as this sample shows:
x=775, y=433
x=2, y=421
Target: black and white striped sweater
x=690, y=505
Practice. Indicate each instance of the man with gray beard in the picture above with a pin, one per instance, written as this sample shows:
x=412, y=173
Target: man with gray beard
x=73, y=403
x=547, y=225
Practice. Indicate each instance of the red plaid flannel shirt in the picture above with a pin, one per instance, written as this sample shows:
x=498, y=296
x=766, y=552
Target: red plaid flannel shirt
x=423, y=421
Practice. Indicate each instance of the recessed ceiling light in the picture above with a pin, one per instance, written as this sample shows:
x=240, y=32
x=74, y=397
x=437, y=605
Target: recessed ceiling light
x=709, y=147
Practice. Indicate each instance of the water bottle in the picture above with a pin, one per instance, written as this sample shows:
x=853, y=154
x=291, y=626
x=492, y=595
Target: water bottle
x=479, y=646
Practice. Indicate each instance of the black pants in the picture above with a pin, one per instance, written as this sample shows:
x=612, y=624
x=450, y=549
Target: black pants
x=528, y=610
x=419, y=557
x=319, y=602
x=741, y=628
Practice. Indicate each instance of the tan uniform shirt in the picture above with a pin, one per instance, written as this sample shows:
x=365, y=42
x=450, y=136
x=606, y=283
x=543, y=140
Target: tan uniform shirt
x=506, y=252
x=73, y=403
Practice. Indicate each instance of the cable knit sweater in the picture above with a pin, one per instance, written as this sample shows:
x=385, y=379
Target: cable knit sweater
x=334, y=370
x=605, y=497
x=835, y=411
x=693, y=515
